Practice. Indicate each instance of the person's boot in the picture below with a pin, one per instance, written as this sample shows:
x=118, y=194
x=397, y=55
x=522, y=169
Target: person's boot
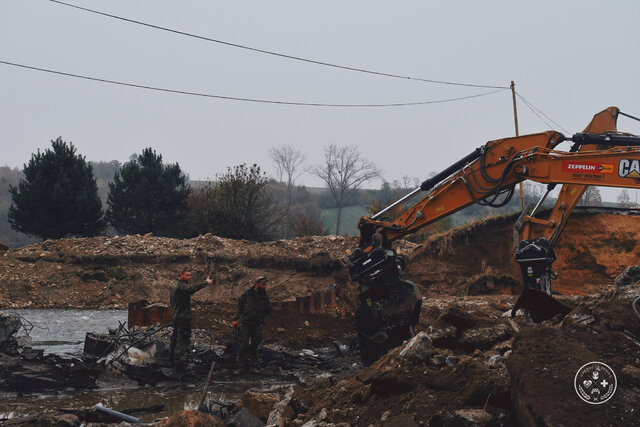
x=255, y=365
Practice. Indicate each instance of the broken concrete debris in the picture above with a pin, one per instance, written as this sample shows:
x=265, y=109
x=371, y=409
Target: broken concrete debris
x=418, y=349
x=24, y=369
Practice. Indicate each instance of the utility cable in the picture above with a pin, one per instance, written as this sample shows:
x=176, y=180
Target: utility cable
x=537, y=110
x=534, y=111
x=233, y=98
x=281, y=55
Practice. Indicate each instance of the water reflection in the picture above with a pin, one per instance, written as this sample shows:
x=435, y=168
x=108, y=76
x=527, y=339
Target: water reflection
x=173, y=400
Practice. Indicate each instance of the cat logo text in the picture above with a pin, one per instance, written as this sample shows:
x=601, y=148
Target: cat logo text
x=629, y=168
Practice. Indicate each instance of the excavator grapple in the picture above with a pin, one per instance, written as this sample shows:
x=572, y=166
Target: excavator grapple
x=388, y=306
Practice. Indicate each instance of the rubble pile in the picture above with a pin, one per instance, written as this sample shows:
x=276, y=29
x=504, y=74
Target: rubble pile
x=109, y=272
x=436, y=377
x=512, y=374
x=546, y=358
x=24, y=369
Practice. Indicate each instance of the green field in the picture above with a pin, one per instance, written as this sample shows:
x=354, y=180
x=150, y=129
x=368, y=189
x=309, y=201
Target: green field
x=350, y=217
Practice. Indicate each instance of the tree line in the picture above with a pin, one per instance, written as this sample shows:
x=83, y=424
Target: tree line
x=58, y=197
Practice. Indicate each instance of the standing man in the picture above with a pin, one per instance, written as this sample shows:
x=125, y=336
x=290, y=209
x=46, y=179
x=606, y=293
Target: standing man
x=181, y=316
x=253, y=310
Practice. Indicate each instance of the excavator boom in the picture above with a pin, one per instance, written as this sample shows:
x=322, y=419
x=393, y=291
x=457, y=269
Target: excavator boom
x=487, y=176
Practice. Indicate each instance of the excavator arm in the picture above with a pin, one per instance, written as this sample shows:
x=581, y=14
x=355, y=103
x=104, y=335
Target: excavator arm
x=487, y=176
x=602, y=128
x=535, y=238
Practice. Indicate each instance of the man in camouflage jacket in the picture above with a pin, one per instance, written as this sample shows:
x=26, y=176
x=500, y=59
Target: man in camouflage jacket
x=181, y=316
x=253, y=310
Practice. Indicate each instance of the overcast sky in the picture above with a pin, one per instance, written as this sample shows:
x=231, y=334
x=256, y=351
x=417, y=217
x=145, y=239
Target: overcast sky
x=570, y=59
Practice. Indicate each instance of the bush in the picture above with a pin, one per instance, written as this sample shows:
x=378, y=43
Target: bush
x=303, y=225
x=236, y=205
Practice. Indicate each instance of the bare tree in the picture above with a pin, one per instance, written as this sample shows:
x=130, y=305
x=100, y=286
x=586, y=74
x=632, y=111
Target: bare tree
x=390, y=192
x=344, y=171
x=624, y=200
x=591, y=197
x=287, y=161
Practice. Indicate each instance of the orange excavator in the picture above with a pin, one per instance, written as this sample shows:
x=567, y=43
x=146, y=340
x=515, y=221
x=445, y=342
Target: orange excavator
x=389, y=306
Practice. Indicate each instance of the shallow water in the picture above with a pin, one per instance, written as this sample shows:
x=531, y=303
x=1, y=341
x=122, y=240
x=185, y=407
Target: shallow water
x=63, y=331
x=173, y=400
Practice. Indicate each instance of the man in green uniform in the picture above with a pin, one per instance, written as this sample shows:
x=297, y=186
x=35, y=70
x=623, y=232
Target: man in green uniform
x=181, y=316
x=253, y=310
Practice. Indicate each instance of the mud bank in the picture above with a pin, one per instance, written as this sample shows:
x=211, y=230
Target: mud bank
x=475, y=259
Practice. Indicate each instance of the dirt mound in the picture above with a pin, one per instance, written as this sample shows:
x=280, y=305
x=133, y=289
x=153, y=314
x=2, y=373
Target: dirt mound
x=592, y=251
x=106, y=272
x=420, y=383
x=112, y=271
x=511, y=374
x=546, y=358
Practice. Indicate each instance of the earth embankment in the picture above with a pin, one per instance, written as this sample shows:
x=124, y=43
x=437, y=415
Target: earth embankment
x=477, y=259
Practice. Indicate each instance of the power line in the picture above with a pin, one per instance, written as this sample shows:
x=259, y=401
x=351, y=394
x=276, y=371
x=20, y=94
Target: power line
x=536, y=110
x=234, y=98
x=281, y=55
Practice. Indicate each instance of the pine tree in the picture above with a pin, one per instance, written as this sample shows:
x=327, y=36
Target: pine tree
x=148, y=196
x=58, y=196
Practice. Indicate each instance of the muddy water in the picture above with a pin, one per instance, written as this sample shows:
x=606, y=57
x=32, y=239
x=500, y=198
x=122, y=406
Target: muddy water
x=62, y=332
x=172, y=399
